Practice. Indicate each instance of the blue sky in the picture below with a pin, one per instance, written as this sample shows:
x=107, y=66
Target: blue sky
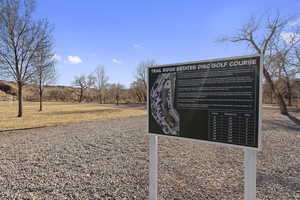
x=120, y=34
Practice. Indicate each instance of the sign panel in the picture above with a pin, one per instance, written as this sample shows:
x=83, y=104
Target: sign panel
x=213, y=100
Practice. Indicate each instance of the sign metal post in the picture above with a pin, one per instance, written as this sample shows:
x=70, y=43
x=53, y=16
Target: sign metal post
x=250, y=174
x=153, y=167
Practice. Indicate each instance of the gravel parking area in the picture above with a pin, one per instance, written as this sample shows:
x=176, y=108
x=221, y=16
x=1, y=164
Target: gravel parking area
x=109, y=160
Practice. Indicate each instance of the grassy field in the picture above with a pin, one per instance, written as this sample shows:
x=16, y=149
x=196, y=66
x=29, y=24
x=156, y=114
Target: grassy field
x=57, y=113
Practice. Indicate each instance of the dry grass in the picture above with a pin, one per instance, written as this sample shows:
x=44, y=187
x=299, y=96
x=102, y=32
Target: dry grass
x=56, y=113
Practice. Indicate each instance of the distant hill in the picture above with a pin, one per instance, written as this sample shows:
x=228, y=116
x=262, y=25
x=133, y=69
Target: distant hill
x=8, y=91
x=6, y=97
x=8, y=87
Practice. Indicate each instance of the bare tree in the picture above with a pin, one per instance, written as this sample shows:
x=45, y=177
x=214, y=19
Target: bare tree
x=83, y=82
x=80, y=81
x=116, y=89
x=90, y=80
x=20, y=39
x=282, y=59
x=261, y=35
x=297, y=56
x=138, y=90
x=101, y=81
x=140, y=82
x=45, y=71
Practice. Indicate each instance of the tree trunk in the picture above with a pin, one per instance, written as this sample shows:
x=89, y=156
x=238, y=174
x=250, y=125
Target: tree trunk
x=41, y=100
x=117, y=100
x=100, y=98
x=41, y=94
x=289, y=92
x=282, y=105
x=145, y=97
x=271, y=96
x=280, y=99
x=20, y=98
x=138, y=97
x=81, y=95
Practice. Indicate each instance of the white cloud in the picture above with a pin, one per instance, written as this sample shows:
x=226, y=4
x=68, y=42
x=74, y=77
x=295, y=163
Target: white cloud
x=137, y=46
x=290, y=37
x=295, y=22
x=114, y=60
x=56, y=57
x=74, y=59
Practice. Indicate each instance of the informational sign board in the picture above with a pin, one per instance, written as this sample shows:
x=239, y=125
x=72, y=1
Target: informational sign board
x=213, y=100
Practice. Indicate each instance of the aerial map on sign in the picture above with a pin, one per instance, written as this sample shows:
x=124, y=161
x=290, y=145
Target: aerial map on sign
x=215, y=100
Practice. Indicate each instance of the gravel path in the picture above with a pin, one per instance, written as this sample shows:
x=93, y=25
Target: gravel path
x=109, y=160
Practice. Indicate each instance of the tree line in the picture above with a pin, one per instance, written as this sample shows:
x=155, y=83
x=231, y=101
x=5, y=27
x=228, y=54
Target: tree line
x=106, y=92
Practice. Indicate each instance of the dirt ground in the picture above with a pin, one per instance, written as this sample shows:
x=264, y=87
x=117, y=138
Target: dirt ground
x=108, y=159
